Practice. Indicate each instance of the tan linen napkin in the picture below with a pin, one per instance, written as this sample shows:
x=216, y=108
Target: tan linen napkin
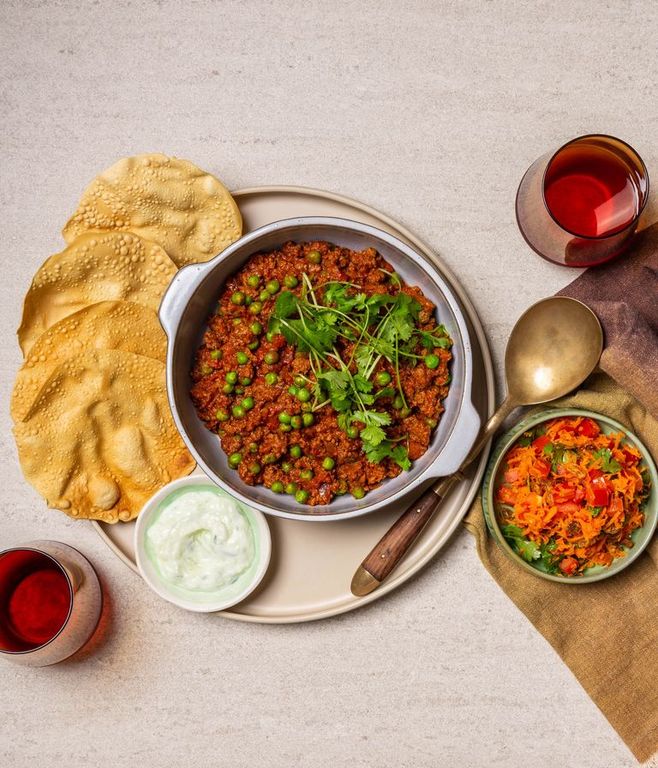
x=612, y=647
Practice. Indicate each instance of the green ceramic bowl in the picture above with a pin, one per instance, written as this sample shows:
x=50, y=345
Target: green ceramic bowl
x=493, y=477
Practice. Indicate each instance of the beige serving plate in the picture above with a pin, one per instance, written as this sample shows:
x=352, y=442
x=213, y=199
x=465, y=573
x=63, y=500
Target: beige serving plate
x=313, y=563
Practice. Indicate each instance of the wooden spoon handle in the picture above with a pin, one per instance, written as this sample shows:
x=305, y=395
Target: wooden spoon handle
x=390, y=549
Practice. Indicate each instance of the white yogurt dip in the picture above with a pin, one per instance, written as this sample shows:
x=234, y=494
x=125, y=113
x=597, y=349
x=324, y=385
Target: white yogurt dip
x=200, y=540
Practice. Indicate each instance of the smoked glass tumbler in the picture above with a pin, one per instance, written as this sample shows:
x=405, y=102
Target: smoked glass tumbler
x=580, y=206
x=50, y=602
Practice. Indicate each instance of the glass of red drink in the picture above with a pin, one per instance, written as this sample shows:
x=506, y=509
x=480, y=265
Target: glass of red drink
x=580, y=206
x=50, y=602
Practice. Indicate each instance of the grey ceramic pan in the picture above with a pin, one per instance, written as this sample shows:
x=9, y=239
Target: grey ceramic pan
x=189, y=301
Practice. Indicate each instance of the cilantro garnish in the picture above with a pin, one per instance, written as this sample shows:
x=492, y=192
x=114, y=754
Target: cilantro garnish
x=381, y=326
x=540, y=555
x=608, y=463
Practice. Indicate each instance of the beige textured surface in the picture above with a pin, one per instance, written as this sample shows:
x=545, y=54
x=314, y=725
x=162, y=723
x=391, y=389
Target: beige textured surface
x=431, y=112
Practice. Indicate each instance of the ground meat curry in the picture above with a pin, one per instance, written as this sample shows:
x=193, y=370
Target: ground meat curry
x=321, y=371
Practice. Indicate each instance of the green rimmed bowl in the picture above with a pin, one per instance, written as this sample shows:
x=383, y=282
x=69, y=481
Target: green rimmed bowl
x=493, y=477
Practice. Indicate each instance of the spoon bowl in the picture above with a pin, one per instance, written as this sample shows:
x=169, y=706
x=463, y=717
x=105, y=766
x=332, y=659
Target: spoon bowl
x=554, y=345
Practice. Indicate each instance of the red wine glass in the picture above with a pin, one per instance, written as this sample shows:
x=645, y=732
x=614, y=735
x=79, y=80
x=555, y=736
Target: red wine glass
x=580, y=206
x=50, y=602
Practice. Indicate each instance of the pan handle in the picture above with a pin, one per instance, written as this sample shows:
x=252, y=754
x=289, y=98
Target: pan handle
x=395, y=543
x=178, y=294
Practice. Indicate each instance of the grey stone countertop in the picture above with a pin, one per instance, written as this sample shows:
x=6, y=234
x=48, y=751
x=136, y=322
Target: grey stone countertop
x=430, y=112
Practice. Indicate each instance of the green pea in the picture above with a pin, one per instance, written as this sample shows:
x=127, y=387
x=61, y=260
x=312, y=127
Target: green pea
x=383, y=378
x=306, y=474
x=431, y=361
x=328, y=463
x=431, y=423
x=395, y=278
x=284, y=417
x=296, y=422
x=227, y=389
x=292, y=390
x=271, y=378
x=290, y=281
x=238, y=298
x=253, y=345
x=248, y=301
x=253, y=281
x=308, y=419
x=234, y=459
x=291, y=488
x=255, y=308
x=386, y=392
x=358, y=493
x=263, y=296
x=271, y=358
x=286, y=466
x=295, y=451
x=352, y=432
x=245, y=381
x=285, y=428
x=238, y=411
x=254, y=468
x=221, y=415
x=231, y=377
x=307, y=407
x=256, y=328
x=299, y=380
x=277, y=486
x=315, y=257
x=270, y=335
x=248, y=403
x=269, y=458
x=253, y=447
x=301, y=496
x=206, y=369
x=272, y=286
x=236, y=321
x=239, y=390
x=242, y=358
x=398, y=402
x=303, y=395
x=216, y=354
x=404, y=412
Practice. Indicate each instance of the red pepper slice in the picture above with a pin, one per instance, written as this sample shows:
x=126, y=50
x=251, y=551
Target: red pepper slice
x=630, y=458
x=588, y=428
x=541, y=442
x=600, y=491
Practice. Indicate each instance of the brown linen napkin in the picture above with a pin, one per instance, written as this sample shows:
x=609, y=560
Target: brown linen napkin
x=613, y=648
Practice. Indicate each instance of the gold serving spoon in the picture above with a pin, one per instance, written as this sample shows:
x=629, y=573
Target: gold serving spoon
x=553, y=348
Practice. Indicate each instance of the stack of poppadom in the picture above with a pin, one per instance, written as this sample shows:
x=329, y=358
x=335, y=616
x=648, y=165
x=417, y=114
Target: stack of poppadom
x=93, y=428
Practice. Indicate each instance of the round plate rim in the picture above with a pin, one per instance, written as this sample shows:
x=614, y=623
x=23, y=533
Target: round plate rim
x=474, y=319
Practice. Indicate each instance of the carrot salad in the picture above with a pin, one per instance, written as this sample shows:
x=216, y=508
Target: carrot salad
x=571, y=496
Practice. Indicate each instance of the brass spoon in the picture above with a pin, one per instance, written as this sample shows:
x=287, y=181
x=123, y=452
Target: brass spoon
x=553, y=348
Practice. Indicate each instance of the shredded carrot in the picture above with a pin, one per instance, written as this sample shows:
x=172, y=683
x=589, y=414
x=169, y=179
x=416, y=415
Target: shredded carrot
x=571, y=495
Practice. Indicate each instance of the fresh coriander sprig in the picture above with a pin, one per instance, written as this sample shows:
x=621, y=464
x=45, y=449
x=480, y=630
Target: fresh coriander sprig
x=378, y=326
